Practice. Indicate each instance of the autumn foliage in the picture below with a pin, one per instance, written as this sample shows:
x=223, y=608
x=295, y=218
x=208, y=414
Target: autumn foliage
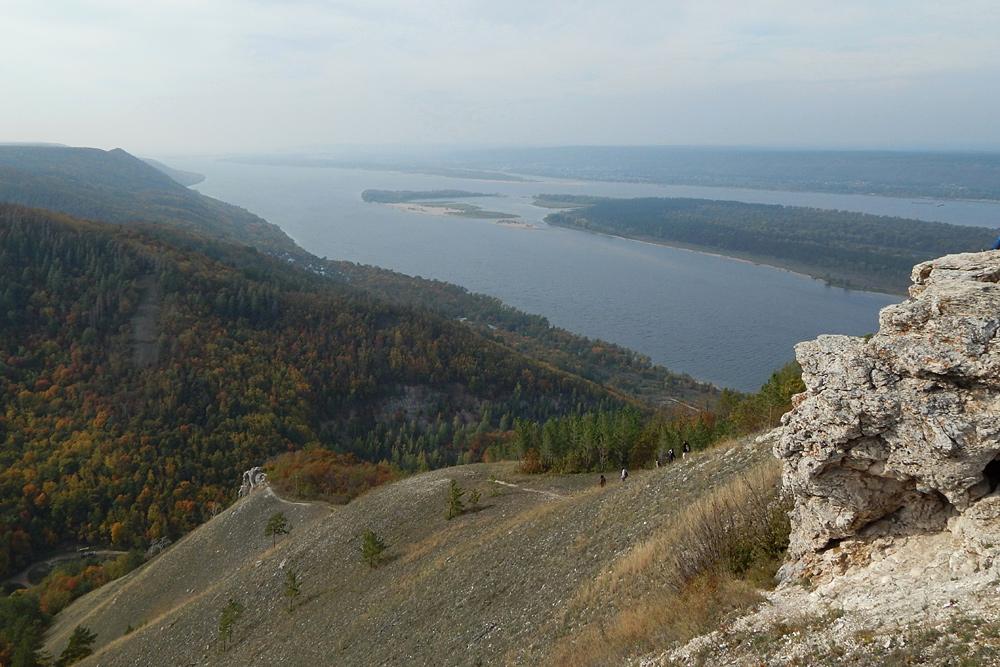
x=325, y=475
x=256, y=358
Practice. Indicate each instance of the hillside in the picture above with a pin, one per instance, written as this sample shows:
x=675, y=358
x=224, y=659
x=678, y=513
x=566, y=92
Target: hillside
x=614, y=366
x=113, y=186
x=143, y=367
x=185, y=178
x=854, y=250
x=544, y=564
x=890, y=457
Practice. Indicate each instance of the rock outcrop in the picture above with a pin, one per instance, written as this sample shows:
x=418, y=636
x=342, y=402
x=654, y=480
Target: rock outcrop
x=253, y=479
x=899, y=434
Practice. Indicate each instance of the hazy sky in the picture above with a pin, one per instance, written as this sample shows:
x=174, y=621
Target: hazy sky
x=173, y=76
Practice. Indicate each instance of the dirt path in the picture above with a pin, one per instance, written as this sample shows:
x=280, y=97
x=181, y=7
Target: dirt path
x=693, y=408
x=270, y=492
x=145, y=329
x=550, y=494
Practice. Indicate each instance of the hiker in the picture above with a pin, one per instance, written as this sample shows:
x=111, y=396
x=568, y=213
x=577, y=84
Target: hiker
x=996, y=244
x=685, y=450
x=603, y=481
x=670, y=455
x=624, y=474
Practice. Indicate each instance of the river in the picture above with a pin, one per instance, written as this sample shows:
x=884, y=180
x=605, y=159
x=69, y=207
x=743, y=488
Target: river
x=722, y=320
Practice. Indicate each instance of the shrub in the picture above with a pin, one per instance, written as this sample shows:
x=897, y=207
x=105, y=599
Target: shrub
x=292, y=586
x=372, y=548
x=227, y=619
x=739, y=527
x=455, y=504
x=80, y=645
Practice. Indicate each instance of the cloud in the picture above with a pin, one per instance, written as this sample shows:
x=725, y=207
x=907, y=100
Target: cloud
x=185, y=75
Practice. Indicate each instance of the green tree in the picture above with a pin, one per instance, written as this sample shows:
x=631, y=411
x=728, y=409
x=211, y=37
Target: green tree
x=81, y=644
x=292, y=586
x=372, y=548
x=455, y=504
x=474, y=497
x=230, y=613
x=276, y=525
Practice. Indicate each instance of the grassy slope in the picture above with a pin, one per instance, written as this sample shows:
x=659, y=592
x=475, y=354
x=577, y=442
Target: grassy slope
x=515, y=583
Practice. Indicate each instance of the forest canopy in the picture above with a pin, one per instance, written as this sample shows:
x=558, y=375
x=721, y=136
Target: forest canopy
x=254, y=357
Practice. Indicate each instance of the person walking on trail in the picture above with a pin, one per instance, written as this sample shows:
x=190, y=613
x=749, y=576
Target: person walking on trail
x=670, y=456
x=685, y=450
x=624, y=474
x=603, y=481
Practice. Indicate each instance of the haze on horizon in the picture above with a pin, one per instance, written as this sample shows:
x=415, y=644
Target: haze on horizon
x=185, y=76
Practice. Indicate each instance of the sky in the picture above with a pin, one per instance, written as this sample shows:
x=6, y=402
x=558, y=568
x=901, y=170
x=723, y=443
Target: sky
x=208, y=76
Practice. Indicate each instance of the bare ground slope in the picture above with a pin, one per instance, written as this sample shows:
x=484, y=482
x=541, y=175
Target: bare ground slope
x=501, y=585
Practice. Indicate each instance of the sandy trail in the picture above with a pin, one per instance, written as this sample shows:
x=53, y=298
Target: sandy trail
x=550, y=494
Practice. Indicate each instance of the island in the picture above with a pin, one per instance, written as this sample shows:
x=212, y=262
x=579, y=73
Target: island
x=435, y=202
x=843, y=248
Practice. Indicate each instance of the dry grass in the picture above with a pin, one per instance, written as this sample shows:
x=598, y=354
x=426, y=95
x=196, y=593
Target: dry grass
x=687, y=578
x=663, y=619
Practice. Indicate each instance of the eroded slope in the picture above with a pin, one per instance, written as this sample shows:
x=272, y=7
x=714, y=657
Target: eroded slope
x=496, y=586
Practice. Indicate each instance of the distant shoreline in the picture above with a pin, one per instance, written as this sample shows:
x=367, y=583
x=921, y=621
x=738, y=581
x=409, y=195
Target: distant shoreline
x=746, y=259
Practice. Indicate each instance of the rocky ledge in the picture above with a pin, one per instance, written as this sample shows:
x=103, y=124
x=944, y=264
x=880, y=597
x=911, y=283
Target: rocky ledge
x=899, y=434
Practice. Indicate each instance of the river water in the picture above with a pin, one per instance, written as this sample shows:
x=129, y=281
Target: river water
x=722, y=320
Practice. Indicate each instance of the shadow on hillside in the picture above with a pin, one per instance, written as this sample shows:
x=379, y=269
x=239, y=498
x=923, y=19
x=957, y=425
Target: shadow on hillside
x=389, y=558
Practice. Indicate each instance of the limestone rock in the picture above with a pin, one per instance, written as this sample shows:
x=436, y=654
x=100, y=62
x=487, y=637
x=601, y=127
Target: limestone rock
x=900, y=434
x=253, y=479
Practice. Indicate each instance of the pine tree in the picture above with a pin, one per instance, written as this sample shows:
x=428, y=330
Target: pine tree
x=372, y=548
x=230, y=613
x=276, y=525
x=292, y=584
x=80, y=645
x=455, y=505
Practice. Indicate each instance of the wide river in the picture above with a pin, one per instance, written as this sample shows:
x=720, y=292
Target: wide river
x=725, y=321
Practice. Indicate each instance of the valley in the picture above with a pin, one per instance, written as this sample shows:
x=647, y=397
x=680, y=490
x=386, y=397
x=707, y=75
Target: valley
x=718, y=320
x=444, y=334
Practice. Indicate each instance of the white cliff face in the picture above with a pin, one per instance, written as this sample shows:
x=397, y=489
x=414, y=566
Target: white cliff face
x=900, y=434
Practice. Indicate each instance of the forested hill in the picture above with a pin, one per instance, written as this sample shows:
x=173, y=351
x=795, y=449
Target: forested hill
x=251, y=357
x=185, y=178
x=614, y=366
x=113, y=186
x=856, y=250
